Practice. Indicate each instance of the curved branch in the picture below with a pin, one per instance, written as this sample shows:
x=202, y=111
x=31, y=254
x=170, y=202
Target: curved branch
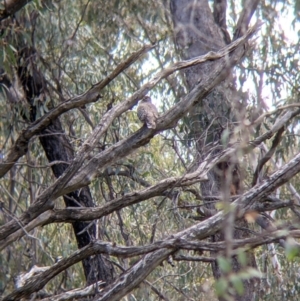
x=160, y=188
x=268, y=155
x=125, y=283
x=76, y=293
x=180, y=240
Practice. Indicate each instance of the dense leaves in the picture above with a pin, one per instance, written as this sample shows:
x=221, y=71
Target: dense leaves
x=80, y=67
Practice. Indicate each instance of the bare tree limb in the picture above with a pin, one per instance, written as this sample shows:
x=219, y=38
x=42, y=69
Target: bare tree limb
x=268, y=155
x=87, y=214
x=76, y=293
x=73, y=214
x=245, y=17
x=193, y=258
x=142, y=268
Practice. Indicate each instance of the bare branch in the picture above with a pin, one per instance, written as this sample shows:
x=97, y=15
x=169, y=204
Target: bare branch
x=184, y=239
x=141, y=269
x=268, y=155
x=245, y=17
x=87, y=214
x=193, y=258
x=76, y=293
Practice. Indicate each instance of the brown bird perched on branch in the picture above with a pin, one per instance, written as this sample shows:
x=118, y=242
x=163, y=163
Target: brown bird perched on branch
x=147, y=112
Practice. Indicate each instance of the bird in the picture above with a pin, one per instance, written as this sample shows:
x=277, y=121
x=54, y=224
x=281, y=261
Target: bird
x=147, y=112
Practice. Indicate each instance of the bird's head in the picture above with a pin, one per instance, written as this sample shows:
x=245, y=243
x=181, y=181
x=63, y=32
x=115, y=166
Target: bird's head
x=146, y=99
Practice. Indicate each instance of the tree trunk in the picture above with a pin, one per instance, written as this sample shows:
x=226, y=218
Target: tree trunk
x=58, y=148
x=198, y=31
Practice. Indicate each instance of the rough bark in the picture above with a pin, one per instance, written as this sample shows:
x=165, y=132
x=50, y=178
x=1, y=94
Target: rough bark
x=198, y=31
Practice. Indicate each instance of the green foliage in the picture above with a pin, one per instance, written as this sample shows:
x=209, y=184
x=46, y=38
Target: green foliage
x=233, y=282
x=224, y=264
x=291, y=249
x=78, y=44
x=221, y=287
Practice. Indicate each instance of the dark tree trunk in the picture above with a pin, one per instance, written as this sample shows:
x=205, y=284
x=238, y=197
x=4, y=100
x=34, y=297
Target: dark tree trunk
x=196, y=31
x=58, y=148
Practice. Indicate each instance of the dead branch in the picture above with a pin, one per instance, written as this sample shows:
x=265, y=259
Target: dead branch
x=76, y=293
x=268, y=155
x=193, y=258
